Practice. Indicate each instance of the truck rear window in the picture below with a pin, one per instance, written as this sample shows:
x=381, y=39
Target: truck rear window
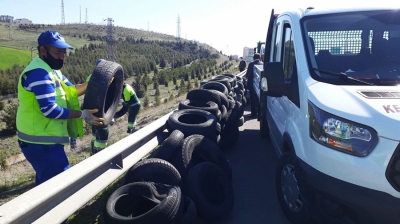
x=364, y=45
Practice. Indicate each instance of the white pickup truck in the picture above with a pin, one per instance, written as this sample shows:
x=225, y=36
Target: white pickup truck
x=329, y=99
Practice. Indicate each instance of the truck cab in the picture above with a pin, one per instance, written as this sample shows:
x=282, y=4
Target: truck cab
x=329, y=100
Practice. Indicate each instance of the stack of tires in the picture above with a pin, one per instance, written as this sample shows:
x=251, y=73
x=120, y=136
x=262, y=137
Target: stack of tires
x=230, y=97
x=206, y=176
x=189, y=180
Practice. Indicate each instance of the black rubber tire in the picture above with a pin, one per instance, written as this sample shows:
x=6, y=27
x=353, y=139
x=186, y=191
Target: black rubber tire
x=144, y=203
x=124, y=109
x=211, y=190
x=204, y=95
x=241, y=86
x=170, y=145
x=215, y=86
x=234, y=116
x=287, y=173
x=193, y=121
x=209, y=106
x=238, y=91
x=244, y=100
x=232, y=102
x=231, y=77
x=100, y=94
x=197, y=149
x=223, y=80
x=241, y=108
x=224, y=116
x=229, y=136
x=203, y=82
x=223, y=97
x=240, y=122
x=153, y=170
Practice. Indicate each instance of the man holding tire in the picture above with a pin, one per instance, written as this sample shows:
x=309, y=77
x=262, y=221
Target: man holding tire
x=131, y=99
x=49, y=111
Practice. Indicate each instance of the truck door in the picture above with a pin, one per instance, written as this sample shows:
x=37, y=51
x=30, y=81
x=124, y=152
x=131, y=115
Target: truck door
x=269, y=44
x=280, y=109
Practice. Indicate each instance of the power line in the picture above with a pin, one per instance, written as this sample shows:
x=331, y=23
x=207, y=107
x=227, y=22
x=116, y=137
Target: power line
x=86, y=21
x=62, y=13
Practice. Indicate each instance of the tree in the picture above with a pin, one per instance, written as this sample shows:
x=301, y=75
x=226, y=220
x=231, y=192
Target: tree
x=163, y=64
x=146, y=101
x=158, y=101
x=189, y=86
x=157, y=90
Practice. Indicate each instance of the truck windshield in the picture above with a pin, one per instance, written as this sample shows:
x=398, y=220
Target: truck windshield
x=362, y=45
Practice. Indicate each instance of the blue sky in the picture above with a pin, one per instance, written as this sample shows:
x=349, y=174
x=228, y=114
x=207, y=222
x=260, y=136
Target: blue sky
x=227, y=25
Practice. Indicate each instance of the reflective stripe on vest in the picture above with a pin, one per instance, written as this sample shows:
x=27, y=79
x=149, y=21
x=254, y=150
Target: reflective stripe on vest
x=43, y=139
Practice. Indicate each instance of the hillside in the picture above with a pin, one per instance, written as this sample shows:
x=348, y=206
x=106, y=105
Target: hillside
x=10, y=56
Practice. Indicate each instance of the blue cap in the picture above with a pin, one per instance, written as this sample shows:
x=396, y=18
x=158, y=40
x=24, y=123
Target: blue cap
x=53, y=38
x=98, y=61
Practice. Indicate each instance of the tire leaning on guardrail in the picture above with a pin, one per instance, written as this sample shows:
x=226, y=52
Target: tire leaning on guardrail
x=144, y=202
x=153, y=170
x=102, y=95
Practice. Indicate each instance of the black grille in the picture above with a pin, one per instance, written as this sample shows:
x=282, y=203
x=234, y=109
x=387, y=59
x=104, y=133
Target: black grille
x=393, y=170
x=380, y=95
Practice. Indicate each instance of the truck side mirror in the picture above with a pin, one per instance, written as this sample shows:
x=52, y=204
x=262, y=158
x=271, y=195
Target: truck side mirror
x=273, y=84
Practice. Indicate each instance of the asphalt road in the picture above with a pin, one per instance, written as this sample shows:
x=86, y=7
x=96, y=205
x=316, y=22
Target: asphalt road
x=253, y=162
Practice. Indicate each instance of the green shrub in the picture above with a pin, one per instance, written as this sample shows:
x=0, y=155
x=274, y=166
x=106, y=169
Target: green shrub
x=9, y=115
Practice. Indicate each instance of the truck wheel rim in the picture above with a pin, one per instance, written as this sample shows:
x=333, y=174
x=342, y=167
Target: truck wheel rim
x=290, y=188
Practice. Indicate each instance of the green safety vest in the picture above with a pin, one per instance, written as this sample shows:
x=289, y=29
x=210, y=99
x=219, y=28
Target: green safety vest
x=32, y=125
x=130, y=95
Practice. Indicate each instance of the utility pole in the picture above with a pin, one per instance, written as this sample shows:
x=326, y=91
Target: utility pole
x=62, y=13
x=178, y=31
x=111, y=52
x=147, y=26
x=86, y=21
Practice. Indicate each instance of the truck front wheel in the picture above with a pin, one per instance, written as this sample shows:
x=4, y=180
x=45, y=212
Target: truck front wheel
x=290, y=198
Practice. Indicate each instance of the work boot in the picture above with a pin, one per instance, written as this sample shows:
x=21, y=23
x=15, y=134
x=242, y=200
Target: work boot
x=130, y=130
x=95, y=150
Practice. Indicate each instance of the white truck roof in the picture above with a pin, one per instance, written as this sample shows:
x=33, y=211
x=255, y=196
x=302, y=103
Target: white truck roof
x=311, y=11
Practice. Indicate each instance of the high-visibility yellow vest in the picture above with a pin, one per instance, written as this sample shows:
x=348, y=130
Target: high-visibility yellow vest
x=130, y=95
x=32, y=125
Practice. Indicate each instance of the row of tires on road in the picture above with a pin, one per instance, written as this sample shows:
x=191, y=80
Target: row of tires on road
x=188, y=180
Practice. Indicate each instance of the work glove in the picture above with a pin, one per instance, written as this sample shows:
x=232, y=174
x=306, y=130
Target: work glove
x=88, y=116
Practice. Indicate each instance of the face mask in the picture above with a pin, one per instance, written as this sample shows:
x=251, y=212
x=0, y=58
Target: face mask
x=54, y=63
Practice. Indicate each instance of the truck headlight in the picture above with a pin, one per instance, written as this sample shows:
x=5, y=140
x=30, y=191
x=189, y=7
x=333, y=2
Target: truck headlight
x=341, y=134
x=264, y=84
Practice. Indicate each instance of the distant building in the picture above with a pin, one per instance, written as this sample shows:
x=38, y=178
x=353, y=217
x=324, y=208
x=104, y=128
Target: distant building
x=234, y=57
x=248, y=53
x=23, y=21
x=7, y=18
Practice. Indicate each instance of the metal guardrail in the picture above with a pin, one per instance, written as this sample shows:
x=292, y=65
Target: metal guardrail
x=60, y=197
